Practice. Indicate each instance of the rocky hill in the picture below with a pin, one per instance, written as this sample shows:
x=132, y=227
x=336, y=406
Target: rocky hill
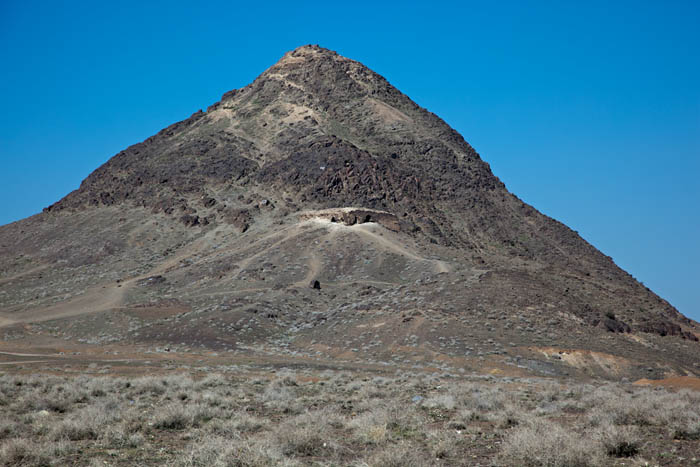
x=319, y=214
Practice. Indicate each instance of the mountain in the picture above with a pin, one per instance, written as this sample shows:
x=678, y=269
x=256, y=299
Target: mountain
x=320, y=215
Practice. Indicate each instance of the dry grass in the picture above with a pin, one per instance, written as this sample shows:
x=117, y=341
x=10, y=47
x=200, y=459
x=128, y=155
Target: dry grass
x=332, y=418
x=546, y=443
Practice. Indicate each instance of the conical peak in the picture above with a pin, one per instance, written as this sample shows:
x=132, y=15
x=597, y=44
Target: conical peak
x=316, y=73
x=308, y=56
x=307, y=52
x=322, y=71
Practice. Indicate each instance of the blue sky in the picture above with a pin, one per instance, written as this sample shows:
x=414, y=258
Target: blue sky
x=589, y=111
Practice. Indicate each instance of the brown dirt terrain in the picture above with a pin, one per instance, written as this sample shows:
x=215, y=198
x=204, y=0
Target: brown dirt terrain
x=675, y=382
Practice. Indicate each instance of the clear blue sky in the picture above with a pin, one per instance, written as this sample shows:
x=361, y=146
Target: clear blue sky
x=590, y=111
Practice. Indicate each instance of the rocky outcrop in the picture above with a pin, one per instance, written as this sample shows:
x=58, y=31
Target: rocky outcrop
x=666, y=328
x=239, y=218
x=352, y=216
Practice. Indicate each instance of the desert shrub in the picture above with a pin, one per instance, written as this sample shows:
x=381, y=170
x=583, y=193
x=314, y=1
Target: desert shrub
x=176, y=416
x=484, y=400
x=280, y=396
x=74, y=430
x=98, y=387
x=86, y=423
x=287, y=377
x=223, y=452
x=173, y=417
x=9, y=429
x=277, y=391
x=22, y=452
x=399, y=455
x=466, y=416
x=303, y=441
x=59, y=398
x=688, y=429
x=120, y=436
x=444, y=444
x=249, y=424
x=676, y=412
x=371, y=427
x=370, y=390
x=306, y=435
x=211, y=381
x=57, y=449
x=440, y=401
x=404, y=422
x=511, y=415
x=208, y=452
x=619, y=441
x=159, y=385
x=239, y=423
x=544, y=443
x=57, y=404
x=210, y=399
x=133, y=420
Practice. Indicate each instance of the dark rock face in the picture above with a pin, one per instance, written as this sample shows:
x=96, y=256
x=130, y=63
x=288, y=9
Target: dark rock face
x=153, y=280
x=666, y=328
x=189, y=221
x=240, y=218
x=614, y=325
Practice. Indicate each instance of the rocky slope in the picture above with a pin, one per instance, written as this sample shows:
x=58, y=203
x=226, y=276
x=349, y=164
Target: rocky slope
x=320, y=170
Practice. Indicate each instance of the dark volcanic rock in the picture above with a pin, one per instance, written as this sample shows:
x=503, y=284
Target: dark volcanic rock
x=189, y=221
x=153, y=280
x=666, y=328
x=614, y=325
x=240, y=218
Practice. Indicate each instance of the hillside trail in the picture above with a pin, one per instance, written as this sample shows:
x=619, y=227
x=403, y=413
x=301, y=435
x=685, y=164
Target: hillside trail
x=287, y=233
x=314, y=263
x=93, y=301
x=367, y=230
x=26, y=272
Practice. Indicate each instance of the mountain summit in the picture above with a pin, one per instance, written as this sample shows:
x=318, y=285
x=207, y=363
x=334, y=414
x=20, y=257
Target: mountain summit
x=320, y=214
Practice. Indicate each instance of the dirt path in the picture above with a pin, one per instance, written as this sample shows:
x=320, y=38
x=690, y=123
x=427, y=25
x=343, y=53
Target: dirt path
x=95, y=300
x=189, y=250
x=18, y=354
x=314, y=265
x=367, y=231
x=21, y=362
x=314, y=268
x=4, y=322
x=7, y=279
x=292, y=232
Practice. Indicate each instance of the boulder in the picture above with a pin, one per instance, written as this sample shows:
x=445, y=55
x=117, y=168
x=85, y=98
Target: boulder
x=189, y=220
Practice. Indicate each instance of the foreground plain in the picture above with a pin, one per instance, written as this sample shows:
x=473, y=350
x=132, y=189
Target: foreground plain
x=247, y=416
